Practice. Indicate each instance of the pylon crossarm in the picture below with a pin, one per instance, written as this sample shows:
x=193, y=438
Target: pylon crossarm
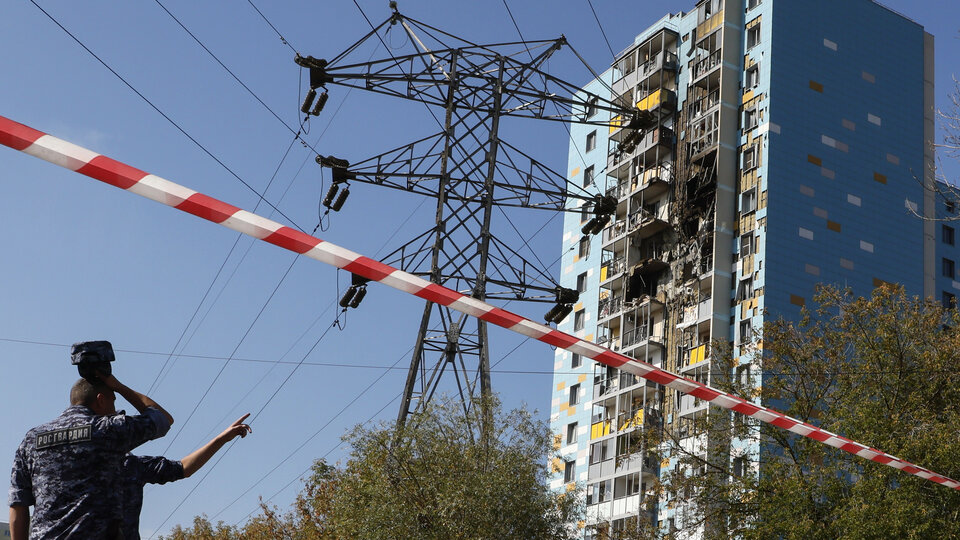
x=115, y=173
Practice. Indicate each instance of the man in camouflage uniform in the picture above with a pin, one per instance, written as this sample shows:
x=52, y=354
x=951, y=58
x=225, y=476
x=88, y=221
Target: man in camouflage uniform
x=69, y=469
x=138, y=471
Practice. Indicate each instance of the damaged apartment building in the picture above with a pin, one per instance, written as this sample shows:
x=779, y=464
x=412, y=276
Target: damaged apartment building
x=775, y=145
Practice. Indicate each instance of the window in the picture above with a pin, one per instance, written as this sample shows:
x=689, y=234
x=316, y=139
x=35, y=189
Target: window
x=748, y=201
x=584, y=248
x=745, y=290
x=591, y=140
x=746, y=331
x=750, y=118
x=582, y=282
x=569, y=470
x=577, y=361
x=571, y=433
x=739, y=466
x=743, y=375
x=752, y=80
x=948, y=268
x=947, y=235
x=750, y=158
x=588, y=175
x=753, y=36
x=949, y=301
x=584, y=213
x=592, y=106
x=579, y=318
x=746, y=245
x=951, y=207
x=752, y=4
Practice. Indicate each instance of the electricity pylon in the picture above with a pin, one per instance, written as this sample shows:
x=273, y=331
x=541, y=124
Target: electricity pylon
x=470, y=171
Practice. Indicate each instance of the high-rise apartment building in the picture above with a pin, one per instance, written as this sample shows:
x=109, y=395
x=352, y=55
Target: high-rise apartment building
x=779, y=144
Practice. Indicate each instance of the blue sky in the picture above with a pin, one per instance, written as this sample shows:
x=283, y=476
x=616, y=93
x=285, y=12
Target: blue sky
x=87, y=261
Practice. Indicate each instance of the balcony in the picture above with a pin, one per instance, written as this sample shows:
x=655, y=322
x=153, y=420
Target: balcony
x=694, y=356
x=612, y=268
x=609, y=307
x=613, y=231
x=706, y=65
x=653, y=180
x=640, y=336
x=647, y=222
x=605, y=385
x=640, y=143
x=699, y=313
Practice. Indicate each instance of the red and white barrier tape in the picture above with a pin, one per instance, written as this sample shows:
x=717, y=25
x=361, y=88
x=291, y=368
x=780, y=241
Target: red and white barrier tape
x=78, y=159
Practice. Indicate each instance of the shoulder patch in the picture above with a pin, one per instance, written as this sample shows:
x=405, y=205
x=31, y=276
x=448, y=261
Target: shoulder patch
x=68, y=435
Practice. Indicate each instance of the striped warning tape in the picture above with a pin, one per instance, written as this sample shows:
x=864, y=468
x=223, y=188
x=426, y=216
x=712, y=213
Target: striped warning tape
x=94, y=165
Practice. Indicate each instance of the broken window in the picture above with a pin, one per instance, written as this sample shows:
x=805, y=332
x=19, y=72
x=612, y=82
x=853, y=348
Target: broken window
x=750, y=158
x=750, y=119
x=753, y=36
x=746, y=332
x=746, y=245
x=748, y=201
x=752, y=80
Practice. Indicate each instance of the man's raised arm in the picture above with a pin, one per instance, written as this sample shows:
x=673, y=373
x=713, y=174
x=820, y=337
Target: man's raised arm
x=203, y=454
x=138, y=400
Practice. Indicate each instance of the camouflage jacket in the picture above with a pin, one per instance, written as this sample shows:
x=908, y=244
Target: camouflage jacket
x=69, y=470
x=136, y=472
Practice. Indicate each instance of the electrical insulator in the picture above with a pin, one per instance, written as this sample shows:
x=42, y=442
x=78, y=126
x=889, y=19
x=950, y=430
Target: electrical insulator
x=307, y=101
x=341, y=198
x=348, y=296
x=331, y=193
x=320, y=103
x=564, y=311
x=358, y=297
x=588, y=228
x=552, y=314
x=599, y=223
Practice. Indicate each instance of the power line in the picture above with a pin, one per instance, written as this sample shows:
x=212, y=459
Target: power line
x=270, y=24
x=235, y=349
x=232, y=74
x=157, y=379
x=166, y=117
x=613, y=54
x=227, y=450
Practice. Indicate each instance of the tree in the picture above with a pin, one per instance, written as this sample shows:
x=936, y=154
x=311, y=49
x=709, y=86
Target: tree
x=438, y=477
x=880, y=370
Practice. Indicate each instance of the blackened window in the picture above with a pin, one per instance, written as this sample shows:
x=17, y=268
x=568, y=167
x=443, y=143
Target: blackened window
x=948, y=268
x=947, y=235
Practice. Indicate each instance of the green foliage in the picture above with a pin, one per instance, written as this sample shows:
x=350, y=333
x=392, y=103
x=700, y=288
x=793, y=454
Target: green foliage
x=440, y=477
x=882, y=371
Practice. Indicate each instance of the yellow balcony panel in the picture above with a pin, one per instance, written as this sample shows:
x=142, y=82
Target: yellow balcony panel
x=599, y=429
x=616, y=123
